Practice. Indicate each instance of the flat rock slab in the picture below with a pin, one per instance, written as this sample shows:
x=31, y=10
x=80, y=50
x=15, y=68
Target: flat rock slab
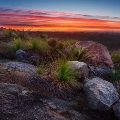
x=22, y=67
x=15, y=105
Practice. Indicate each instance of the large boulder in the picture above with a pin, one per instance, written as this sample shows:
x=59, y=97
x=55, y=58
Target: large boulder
x=98, y=52
x=116, y=109
x=100, y=94
x=80, y=68
x=17, y=104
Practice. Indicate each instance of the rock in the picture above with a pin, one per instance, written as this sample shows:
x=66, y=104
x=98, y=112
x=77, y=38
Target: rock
x=100, y=94
x=99, y=53
x=59, y=90
x=11, y=89
x=19, y=66
x=16, y=72
x=20, y=55
x=102, y=72
x=80, y=68
x=35, y=106
x=116, y=109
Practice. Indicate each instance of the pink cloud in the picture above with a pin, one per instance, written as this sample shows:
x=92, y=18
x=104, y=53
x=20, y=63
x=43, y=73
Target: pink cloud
x=52, y=19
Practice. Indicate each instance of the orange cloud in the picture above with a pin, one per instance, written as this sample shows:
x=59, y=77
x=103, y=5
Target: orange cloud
x=56, y=21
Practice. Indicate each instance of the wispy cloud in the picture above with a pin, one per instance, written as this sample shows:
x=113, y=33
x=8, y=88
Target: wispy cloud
x=52, y=20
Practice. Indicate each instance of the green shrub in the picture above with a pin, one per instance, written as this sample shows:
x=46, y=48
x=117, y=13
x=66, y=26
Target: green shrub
x=115, y=55
x=18, y=44
x=78, y=54
x=38, y=45
x=34, y=44
x=64, y=73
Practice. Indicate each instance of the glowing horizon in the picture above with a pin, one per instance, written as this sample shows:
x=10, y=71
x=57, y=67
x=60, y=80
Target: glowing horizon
x=41, y=20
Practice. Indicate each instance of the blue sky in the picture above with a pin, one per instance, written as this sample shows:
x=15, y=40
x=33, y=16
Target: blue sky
x=91, y=7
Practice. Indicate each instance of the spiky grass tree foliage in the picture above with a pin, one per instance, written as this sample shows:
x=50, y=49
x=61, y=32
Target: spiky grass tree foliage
x=79, y=54
x=37, y=44
x=64, y=73
x=34, y=44
x=18, y=44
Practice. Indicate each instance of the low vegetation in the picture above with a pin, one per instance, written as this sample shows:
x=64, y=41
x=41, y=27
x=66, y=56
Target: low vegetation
x=64, y=73
x=18, y=44
x=49, y=50
x=40, y=70
x=116, y=57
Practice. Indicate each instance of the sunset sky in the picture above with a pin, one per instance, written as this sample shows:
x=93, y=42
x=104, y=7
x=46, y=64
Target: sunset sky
x=61, y=15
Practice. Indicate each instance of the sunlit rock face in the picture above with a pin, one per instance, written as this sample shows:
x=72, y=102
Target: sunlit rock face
x=98, y=52
x=80, y=68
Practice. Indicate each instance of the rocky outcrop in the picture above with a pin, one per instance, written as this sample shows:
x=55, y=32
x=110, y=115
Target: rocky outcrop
x=98, y=52
x=16, y=72
x=17, y=104
x=100, y=94
x=80, y=68
x=22, y=67
x=116, y=109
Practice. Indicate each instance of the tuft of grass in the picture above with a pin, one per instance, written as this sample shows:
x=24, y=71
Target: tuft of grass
x=79, y=54
x=37, y=44
x=18, y=44
x=64, y=73
x=34, y=44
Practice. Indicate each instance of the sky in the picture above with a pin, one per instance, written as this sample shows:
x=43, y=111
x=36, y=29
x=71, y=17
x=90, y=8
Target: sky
x=61, y=15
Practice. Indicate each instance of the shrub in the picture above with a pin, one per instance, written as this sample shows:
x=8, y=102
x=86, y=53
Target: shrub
x=34, y=43
x=18, y=44
x=78, y=54
x=116, y=57
x=21, y=34
x=7, y=50
x=37, y=44
x=64, y=73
